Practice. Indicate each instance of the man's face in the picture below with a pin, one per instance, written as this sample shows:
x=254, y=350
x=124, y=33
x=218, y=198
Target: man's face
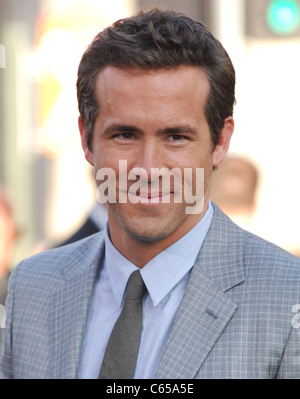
x=153, y=119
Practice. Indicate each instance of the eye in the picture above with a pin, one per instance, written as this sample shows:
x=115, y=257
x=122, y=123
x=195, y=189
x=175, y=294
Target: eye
x=124, y=136
x=177, y=137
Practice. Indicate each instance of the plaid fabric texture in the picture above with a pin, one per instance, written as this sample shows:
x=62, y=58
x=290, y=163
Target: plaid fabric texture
x=235, y=320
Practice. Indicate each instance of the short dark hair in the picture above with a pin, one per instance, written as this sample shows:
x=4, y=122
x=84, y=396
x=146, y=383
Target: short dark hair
x=152, y=40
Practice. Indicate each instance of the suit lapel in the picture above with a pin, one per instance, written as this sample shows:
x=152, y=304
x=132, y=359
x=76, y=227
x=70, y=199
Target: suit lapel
x=69, y=311
x=205, y=309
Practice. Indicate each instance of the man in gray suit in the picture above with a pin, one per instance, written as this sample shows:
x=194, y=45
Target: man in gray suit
x=156, y=92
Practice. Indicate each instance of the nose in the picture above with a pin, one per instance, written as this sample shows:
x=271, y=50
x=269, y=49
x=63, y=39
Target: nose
x=149, y=158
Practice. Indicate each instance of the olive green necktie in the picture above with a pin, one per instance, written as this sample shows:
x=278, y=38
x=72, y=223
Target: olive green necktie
x=123, y=346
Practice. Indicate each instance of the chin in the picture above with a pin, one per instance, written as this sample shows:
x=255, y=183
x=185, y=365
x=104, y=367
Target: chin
x=146, y=235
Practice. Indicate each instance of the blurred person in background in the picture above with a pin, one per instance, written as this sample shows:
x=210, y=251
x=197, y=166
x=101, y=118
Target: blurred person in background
x=234, y=189
x=93, y=223
x=156, y=90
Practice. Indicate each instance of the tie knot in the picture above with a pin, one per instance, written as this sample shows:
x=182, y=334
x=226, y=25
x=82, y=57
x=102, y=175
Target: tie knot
x=135, y=287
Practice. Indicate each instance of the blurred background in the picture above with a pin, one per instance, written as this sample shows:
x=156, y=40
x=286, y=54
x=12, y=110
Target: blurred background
x=42, y=167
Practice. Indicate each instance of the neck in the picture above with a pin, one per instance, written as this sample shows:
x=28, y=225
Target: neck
x=138, y=252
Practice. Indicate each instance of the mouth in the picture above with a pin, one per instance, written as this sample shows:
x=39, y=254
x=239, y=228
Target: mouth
x=150, y=198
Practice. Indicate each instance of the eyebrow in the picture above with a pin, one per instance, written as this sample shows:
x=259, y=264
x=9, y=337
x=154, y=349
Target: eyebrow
x=116, y=128
x=178, y=130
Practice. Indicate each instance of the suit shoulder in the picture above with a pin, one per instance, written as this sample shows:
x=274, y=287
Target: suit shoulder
x=267, y=248
x=65, y=261
x=258, y=253
x=264, y=256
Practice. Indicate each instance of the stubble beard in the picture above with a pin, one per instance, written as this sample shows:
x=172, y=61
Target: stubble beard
x=148, y=225
x=149, y=229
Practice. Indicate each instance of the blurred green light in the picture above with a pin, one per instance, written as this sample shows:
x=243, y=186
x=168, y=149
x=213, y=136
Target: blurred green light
x=283, y=16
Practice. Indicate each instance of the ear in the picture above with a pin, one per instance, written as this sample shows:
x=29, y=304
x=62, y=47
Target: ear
x=224, y=140
x=87, y=152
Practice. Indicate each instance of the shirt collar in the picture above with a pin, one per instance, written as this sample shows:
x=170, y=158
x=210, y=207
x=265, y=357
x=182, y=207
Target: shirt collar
x=162, y=273
x=118, y=268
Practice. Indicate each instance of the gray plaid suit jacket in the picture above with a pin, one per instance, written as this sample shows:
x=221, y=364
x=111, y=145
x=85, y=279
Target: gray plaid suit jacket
x=235, y=320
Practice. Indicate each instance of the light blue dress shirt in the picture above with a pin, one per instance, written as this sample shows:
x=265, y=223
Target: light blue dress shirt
x=165, y=276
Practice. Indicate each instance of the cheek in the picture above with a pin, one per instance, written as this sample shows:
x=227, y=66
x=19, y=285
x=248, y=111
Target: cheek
x=108, y=167
x=199, y=159
x=103, y=156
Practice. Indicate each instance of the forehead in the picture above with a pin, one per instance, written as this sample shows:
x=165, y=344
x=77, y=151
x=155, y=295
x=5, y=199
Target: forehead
x=172, y=83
